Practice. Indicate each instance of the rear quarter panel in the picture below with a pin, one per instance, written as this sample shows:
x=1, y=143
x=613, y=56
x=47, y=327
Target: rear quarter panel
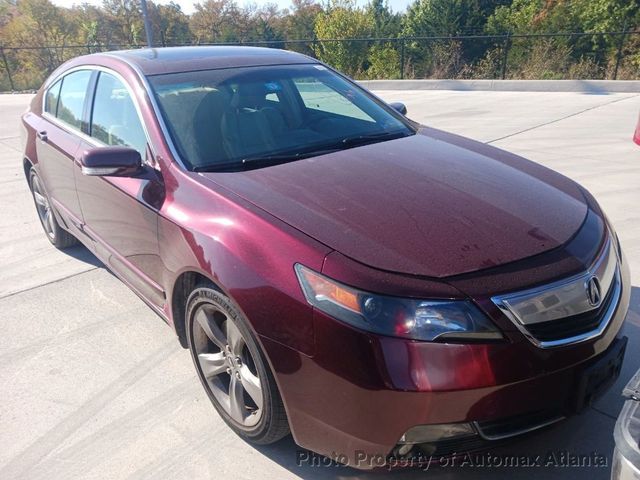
x=30, y=122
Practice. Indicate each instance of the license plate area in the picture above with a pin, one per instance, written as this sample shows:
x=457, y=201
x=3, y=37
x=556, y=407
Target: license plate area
x=598, y=377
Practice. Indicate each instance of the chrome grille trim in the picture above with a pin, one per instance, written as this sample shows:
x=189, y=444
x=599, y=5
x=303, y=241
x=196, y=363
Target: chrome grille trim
x=566, y=298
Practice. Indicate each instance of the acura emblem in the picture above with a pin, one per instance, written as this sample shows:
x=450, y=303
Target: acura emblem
x=593, y=292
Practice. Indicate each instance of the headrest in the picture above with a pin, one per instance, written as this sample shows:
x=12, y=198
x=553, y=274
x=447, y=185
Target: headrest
x=250, y=95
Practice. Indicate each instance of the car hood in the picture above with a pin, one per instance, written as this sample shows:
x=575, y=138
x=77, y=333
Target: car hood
x=431, y=204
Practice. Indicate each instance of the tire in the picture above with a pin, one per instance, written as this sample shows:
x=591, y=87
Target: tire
x=230, y=364
x=57, y=235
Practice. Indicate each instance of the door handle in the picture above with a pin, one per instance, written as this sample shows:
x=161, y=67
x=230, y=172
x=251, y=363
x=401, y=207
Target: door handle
x=42, y=135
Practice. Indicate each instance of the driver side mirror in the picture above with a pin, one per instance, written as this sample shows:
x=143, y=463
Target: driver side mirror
x=399, y=107
x=111, y=161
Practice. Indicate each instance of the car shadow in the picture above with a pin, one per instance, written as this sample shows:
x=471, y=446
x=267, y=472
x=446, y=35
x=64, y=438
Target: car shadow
x=82, y=253
x=586, y=439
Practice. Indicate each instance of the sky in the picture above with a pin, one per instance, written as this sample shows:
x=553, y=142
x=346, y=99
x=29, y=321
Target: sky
x=187, y=5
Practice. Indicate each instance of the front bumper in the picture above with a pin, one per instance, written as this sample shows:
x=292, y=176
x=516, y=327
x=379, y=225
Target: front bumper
x=360, y=393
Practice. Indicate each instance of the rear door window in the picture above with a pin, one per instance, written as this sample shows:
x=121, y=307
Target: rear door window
x=72, y=95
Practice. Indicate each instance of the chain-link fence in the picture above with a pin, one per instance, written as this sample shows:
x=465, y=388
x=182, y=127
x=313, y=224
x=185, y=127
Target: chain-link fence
x=606, y=55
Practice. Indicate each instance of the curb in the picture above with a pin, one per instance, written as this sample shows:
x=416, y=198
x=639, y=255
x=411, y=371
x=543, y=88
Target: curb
x=584, y=86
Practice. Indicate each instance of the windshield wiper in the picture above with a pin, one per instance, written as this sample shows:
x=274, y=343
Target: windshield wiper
x=373, y=137
x=248, y=163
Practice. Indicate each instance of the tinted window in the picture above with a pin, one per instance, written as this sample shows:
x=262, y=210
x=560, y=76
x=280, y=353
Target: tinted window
x=240, y=118
x=72, y=94
x=51, y=102
x=114, y=120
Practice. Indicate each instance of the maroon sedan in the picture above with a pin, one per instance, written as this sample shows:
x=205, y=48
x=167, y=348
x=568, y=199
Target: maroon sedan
x=379, y=288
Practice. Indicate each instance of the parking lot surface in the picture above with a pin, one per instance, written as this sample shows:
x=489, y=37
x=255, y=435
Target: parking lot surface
x=94, y=385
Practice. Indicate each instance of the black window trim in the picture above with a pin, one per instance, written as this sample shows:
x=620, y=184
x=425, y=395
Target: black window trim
x=46, y=94
x=88, y=106
x=54, y=117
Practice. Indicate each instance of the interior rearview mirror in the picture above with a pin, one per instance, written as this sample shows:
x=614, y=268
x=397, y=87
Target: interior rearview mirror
x=111, y=161
x=399, y=107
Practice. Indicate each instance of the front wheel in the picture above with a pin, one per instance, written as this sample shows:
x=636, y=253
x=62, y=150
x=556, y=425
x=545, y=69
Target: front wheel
x=232, y=368
x=58, y=236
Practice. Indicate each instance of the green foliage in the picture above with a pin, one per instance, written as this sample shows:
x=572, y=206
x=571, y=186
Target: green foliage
x=579, y=53
x=51, y=33
x=344, y=21
x=38, y=24
x=529, y=16
x=170, y=25
x=448, y=17
x=384, y=62
x=5, y=9
x=125, y=18
x=385, y=22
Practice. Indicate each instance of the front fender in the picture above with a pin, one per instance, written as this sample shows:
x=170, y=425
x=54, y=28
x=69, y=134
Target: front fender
x=247, y=253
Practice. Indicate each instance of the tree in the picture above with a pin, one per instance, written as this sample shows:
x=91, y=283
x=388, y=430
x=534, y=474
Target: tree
x=47, y=30
x=299, y=24
x=442, y=18
x=126, y=18
x=170, y=25
x=269, y=25
x=385, y=22
x=553, y=16
x=344, y=20
x=448, y=17
x=7, y=9
x=216, y=21
x=95, y=27
x=207, y=20
x=50, y=33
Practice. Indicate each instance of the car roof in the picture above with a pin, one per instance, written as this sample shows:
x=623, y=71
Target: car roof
x=154, y=61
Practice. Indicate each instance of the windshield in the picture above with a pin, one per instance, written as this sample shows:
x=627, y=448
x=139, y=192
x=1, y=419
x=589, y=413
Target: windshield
x=239, y=118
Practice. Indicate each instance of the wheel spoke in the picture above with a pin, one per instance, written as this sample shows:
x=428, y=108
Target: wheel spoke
x=226, y=365
x=212, y=364
x=211, y=328
x=49, y=220
x=236, y=400
x=251, y=384
x=40, y=200
x=234, y=337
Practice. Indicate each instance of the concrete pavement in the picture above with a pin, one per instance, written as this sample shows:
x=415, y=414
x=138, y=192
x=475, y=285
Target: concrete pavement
x=94, y=385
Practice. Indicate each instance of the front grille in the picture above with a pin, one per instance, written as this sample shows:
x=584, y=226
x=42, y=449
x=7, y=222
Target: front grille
x=562, y=312
x=574, y=325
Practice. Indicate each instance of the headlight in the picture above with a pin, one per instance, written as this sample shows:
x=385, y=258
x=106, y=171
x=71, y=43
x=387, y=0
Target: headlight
x=397, y=317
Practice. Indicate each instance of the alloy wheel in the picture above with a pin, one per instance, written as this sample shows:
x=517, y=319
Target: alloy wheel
x=227, y=365
x=44, y=208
